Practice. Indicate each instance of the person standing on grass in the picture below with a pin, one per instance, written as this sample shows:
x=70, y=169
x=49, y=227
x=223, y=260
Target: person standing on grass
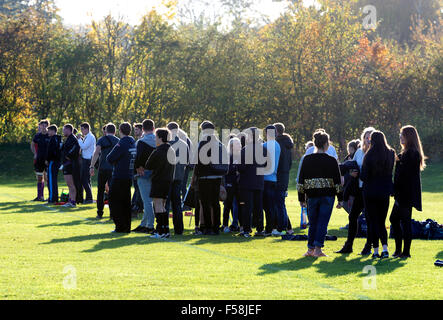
x=39, y=147
x=87, y=143
x=270, y=183
x=122, y=159
x=284, y=168
x=358, y=204
x=209, y=172
x=70, y=154
x=407, y=189
x=104, y=146
x=182, y=155
x=137, y=202
x=376, y=174
x=145, y=146
x=319, y=183
x=162, y=163
x=231, y=185
x=251, y=184
x=53, y=158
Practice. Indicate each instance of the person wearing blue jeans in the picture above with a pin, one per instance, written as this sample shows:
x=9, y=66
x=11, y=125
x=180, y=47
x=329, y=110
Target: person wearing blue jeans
x=319, y=182
x=144, y=185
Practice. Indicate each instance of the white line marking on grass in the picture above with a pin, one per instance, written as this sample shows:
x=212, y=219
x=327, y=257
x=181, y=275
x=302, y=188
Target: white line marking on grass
x=286, y=272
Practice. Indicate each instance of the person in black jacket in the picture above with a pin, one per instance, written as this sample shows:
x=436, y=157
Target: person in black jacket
x=70, y=154
x=162, y=163
x=53, y=158
x=251, y=183
x=284, y=168
x=212, y=165
x=376, y=174
x=122, y=159
x=407, y=189
x=318, y=183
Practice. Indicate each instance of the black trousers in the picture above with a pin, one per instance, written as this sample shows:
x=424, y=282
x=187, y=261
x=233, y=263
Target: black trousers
x=76, y=175
x=401, y=227
x=357, y=208
x=251, y=205
x=270, y=205
x=86, y=178
x=377, y=211
x=176, y=203
x=197, y=208
x=104, y=176
x=228, y=205
x=120, y=204
x=209, y=191
x=52, y=170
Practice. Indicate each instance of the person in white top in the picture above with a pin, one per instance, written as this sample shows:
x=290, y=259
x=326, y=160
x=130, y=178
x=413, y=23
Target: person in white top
x=358, y=205
x=87, y=144
x=331, y=151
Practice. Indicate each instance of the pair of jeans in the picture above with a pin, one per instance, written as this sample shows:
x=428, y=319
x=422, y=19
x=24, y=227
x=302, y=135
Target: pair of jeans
x=174, y=200
x=319, y=214
x=85, y=177
x=251, y=205
x=401, y=225
x=283, y=222
x=144, y=184
x=377, y=211
x=209, y=192
x=104, y=176
x=270, y=206
x=120, y=204
x=230, y=204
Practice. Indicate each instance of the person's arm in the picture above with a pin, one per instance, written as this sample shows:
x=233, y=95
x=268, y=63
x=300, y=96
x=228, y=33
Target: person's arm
x=152, y=162
x=87, y=142
x=115, y=154
x=33, y=149
x=300, y=185
x=98, y=150
x=338, y=184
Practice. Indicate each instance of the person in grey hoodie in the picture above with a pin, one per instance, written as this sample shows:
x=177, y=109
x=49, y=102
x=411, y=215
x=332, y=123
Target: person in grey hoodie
x=145, y=146
x=181, y=149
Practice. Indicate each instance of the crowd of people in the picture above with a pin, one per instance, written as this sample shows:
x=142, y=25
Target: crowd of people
x=249, y=173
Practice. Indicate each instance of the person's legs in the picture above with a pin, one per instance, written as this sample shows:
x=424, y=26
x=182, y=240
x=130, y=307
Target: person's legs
x=313, y=213
x=215, y=205
x=246, y=200
x=86, y=178
x=161, y=216
x=144, y=186
x=228, y=205
x=177, y=208
x=69, y=179
x=269, y=206
x=53, y=181
x=76, y=169
x=205, y=195
x=381, y=223
x=396, y=228
x=258, y=209
x=281, y=210
x=406, y=223
x=102, y=178
x=356, y=209
x=126, y=205
x=326, y=205
x=114, y=203
x=197, y=209
x=235, y=210
x=136, y=201
x=371, y=208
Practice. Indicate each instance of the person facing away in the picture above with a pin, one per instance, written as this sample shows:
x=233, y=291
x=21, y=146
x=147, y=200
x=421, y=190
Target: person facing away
x=145, y=146
x=87, y=143
x=70, y=155
x=319, y=183
x=104, y=146
x=39, y=147
x=376, y=174
x=407, y=189
x=122, y=159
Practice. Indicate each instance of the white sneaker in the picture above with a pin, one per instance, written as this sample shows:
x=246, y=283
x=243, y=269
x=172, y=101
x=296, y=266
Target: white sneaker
x=155, y=236
x=165, y=236
x=275, y=233
x=226, y=230
x=69, y=205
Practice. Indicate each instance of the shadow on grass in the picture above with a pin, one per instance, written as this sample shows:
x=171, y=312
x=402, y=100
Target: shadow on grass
x=33, y=207
x=88, y=221
x=339, y=266
x=439, y=255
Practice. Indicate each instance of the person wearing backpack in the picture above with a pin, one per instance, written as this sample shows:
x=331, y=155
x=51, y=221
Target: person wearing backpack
x=104, y=146
x=122, y=159
x=407, y=189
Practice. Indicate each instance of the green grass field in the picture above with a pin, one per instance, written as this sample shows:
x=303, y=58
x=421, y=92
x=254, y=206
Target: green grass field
x=42, y=249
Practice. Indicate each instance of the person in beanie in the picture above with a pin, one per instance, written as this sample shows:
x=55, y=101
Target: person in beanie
x=122, y=159
x=53, y=158
x=162, y=164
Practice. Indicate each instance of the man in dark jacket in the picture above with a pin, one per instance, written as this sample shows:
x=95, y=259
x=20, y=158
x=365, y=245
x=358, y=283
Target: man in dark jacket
x=70, y=154
x=182, y=155
x=212, y=165
x=284, y=167
x=122, y=159
x=53, y=158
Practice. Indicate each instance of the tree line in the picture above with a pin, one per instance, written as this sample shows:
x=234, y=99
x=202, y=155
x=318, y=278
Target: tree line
x=313, y=67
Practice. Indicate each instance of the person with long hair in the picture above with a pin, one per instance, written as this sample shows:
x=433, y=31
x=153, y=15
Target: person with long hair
x=357, y=204
x=407, y=189
x=319, y=182
x=376, y=174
